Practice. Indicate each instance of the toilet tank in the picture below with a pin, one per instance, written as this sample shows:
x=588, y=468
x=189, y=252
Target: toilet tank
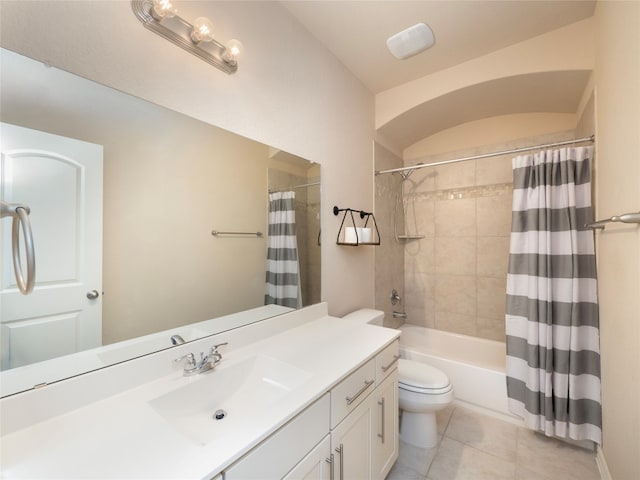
x=366, y=315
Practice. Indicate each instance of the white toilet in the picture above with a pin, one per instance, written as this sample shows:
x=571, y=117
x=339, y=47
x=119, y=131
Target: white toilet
x=423, y=390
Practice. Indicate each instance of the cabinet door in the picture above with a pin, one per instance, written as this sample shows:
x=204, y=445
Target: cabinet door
x=351, y=444
x=385, y=427
x=315, y=466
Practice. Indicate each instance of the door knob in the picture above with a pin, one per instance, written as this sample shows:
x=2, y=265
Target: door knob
x=93, y=294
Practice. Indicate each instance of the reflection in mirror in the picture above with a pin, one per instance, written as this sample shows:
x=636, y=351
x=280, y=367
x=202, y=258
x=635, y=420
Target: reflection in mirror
x=124, y=196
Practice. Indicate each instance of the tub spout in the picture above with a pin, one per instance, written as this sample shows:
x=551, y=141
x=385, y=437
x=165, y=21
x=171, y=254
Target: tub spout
x=399, y=314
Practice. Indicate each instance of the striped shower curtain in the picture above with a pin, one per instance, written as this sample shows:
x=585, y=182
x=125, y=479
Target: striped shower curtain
x=283, y=279
x=553, y=353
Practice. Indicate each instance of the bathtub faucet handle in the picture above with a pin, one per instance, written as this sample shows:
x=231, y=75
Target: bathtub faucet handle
x=395, y=297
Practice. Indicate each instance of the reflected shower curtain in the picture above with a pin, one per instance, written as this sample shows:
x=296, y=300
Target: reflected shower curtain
x=283, y=279
x=552, y=327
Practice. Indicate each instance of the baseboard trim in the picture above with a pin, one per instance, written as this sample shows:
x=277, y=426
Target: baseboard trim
x=605, y=474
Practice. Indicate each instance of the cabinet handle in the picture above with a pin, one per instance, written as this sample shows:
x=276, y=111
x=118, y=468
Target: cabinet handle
x=340, y=451
x=393, y=362
x=330, y=462
x=381, y=403
x=351, y=399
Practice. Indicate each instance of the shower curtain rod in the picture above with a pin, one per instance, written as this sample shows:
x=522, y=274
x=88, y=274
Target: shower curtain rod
x=486, y=155
x=294, y=186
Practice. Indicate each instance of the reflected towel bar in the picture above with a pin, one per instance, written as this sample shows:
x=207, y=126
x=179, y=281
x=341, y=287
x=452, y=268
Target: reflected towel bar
x=215, y=233
x=624, y=218
x=284, y=189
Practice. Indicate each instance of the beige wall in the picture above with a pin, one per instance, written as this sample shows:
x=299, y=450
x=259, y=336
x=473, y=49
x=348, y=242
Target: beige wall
x=489, y=131
x=162, y=267
x=289, y=92
x=617, y=81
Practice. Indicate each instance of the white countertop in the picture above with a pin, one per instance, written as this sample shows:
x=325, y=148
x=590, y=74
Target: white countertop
x=122, y=436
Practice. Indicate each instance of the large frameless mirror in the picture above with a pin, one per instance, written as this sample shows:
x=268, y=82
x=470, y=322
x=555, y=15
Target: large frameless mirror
x=150, y=227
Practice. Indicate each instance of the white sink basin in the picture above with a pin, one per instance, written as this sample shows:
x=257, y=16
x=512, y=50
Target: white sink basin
x=243, y=390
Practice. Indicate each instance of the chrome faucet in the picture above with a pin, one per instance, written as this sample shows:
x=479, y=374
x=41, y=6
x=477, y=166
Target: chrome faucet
x=207, y=362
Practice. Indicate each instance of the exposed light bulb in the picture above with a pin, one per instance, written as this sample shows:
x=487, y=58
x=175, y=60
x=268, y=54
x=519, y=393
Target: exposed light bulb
x=163, y=9
x=202, y=30
x=233, y=49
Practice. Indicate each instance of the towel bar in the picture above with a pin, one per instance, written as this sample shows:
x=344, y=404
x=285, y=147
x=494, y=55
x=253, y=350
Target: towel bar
x=624, y=218
x=215, y=233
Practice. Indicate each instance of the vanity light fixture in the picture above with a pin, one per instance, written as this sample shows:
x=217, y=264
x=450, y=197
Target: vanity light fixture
x=161, y=17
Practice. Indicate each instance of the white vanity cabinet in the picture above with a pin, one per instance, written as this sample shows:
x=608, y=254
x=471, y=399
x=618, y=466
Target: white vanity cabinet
x=385, y=441
x=308, y=403
x=384, y=445
x=351, y=423
x=353, y=430
x=364, y=436
x=316, y=465
x=351, y=445
x=283, y=451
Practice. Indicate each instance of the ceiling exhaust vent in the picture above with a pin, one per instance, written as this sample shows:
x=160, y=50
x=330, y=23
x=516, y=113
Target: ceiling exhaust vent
x=411, y=41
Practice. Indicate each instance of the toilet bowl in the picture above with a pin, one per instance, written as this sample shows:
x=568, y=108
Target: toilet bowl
x=423, y=390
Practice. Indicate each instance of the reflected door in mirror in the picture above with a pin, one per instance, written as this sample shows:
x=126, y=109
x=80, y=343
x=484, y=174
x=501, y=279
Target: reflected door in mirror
x=60, y=179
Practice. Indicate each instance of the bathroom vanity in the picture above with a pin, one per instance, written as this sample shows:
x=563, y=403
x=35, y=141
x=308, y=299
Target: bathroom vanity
x=301, y=395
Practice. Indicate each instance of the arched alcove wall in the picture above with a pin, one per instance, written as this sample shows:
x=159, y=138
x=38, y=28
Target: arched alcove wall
x=538, y=91
x=564, y=54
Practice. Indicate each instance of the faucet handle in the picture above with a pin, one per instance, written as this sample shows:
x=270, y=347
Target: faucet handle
x=214, y=349
x=191, y=360
x=215, y=355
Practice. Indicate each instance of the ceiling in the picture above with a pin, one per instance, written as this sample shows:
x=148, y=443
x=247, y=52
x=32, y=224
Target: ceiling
x=356, y=33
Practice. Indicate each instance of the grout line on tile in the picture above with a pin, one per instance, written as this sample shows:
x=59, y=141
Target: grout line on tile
x=446, y=427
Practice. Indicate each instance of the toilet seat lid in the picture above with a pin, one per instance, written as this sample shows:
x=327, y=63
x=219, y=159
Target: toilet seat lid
x=416, y=375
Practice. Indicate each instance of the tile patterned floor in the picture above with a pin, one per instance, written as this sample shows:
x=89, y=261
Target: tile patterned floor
x=473, y=446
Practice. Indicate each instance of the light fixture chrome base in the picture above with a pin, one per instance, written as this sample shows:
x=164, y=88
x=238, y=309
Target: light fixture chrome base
x=178, y=31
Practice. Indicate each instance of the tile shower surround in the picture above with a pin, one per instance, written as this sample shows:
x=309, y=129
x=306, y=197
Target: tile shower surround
x=455, y=277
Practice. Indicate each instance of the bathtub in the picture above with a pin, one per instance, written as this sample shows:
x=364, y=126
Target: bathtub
x=475, y=366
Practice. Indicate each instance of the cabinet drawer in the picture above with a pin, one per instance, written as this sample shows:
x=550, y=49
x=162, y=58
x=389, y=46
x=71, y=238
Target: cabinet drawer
x=349, y=393
x=387, y=361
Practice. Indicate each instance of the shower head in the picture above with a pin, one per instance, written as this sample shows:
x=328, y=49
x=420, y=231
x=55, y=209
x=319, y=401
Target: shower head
x=407, y=173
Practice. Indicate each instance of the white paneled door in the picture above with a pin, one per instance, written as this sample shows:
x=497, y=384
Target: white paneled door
x=60, y=180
